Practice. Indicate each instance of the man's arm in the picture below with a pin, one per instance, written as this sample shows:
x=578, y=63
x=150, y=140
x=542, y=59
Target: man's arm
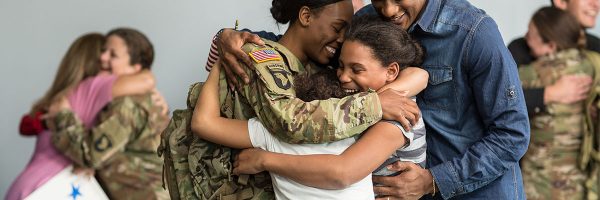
x=94, y=148
x=499, y=98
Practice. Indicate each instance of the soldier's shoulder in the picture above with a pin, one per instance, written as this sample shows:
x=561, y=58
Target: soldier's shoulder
x=249, y=47
x=264, y=54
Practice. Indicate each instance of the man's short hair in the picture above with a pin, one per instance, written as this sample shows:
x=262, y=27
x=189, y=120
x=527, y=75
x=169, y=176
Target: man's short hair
x=140, y=49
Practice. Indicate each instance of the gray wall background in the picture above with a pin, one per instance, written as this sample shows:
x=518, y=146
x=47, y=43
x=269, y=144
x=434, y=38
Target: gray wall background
x=35, y=34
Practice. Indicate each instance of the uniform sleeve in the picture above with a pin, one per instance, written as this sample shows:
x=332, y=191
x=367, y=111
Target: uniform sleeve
x=115, y=128
x=292, y=120
x=69, y=137
x=213, y=52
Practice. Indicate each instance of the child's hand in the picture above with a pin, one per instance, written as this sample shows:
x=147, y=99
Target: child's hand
x=249, y=161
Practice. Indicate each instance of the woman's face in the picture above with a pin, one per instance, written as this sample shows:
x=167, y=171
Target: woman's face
x=535, y=42
x=117, y=57
x=327, y=30
x=359, y=70
x=105, y=59
x=586, y=11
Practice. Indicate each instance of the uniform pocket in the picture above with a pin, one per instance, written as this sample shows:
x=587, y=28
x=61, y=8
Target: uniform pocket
x=440, y=91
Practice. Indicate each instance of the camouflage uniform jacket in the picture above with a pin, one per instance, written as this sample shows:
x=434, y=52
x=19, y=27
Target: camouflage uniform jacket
x=552, y=166
x=271, y=98
x=121, y=147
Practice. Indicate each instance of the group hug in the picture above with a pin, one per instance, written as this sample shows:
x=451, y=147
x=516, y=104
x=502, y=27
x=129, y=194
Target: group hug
x=399, y=99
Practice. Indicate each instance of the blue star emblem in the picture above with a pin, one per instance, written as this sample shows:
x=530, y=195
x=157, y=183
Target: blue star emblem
x=75, y=191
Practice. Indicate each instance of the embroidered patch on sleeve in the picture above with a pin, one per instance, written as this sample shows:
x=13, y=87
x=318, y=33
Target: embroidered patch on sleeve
x=103, y=143
x=264, y=55
x=281, y=77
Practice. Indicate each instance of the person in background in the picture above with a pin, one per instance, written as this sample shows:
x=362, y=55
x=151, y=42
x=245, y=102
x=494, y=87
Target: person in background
x=82, y=78
x=122, y=146
x=559, y=163
x=569, y=88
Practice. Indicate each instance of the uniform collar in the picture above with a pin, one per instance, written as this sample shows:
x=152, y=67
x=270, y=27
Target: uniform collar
x=293, y=62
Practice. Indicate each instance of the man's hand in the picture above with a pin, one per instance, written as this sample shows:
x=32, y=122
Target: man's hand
x=230, y=44
x=249, y=161
x=412, y=183
x=568, y=89
x=398, y=107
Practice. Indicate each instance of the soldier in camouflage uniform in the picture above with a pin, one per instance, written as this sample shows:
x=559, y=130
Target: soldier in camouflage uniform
x=560, y=163
x=121, y=147
x=271, y=98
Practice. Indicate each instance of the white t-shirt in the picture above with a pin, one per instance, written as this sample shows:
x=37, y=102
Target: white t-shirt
x=288, y=189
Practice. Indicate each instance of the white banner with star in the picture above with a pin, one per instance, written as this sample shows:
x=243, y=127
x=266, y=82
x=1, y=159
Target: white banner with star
x=69, y=186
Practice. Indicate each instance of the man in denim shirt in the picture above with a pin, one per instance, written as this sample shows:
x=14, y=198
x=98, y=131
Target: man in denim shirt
x=473, y=107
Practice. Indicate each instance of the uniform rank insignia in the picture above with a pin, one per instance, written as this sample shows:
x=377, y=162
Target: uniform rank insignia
x=264, y=55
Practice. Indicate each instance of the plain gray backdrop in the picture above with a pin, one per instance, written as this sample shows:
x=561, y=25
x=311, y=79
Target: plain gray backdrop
x=35, y=34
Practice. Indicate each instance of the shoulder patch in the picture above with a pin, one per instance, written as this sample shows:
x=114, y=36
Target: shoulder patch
x=280, y=76
x=102, y=143
x=264, y=55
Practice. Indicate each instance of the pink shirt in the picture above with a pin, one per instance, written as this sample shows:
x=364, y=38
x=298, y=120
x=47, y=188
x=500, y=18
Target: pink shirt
x=86, y=100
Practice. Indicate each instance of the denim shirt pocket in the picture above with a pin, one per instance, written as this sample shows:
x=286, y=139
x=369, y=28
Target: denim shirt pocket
x=440, y=89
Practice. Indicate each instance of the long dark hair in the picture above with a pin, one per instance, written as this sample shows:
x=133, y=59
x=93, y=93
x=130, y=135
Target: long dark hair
x=82, y=60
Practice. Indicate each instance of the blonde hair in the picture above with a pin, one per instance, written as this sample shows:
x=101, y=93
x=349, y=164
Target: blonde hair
x=82, y=60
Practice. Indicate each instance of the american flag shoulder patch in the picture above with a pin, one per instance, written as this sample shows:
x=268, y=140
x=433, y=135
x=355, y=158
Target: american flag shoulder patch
x=264, y=55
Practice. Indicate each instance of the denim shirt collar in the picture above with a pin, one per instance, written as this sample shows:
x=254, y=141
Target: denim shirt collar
x=428, y=17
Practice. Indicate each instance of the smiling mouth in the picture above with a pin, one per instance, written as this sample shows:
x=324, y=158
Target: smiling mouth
x=350, y=91
x=397, y=19
x=330, y=49
x=591, y=13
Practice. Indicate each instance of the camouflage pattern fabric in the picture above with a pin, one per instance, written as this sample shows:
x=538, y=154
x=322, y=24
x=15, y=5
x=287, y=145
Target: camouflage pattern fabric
x=121, y=147
x=271, y=98
x=197, y=169
x=552, y=167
